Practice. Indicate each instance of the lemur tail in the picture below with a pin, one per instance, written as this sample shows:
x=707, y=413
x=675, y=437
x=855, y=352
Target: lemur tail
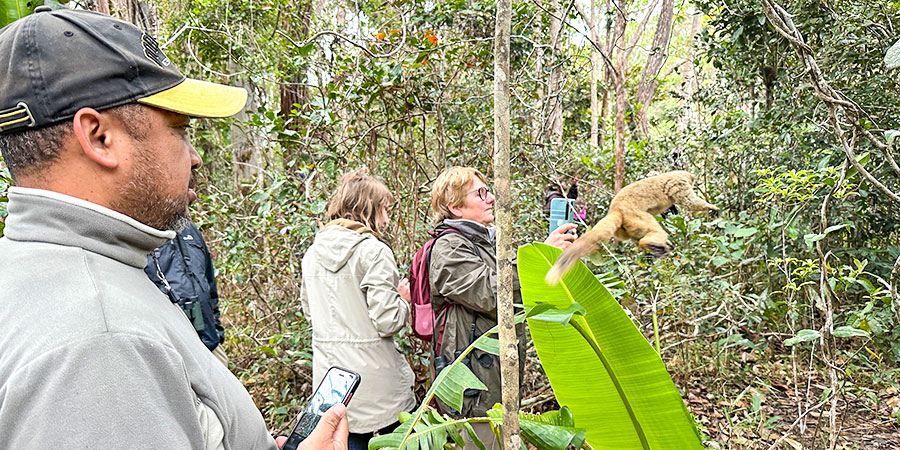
x=583, y=246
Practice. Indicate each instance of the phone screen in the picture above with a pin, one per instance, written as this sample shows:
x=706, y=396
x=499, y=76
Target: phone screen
x=562, y=211
x=337, y=387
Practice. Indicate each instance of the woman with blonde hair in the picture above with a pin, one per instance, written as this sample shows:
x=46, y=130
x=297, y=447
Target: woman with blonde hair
x=463, y=280
x=352, y=295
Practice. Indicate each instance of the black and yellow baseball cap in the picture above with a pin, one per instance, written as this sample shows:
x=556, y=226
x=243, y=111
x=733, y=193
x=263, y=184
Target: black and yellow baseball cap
x=53, y=63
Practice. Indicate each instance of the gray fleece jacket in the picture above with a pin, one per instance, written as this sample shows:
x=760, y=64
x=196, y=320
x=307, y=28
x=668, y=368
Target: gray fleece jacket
x=92, y=354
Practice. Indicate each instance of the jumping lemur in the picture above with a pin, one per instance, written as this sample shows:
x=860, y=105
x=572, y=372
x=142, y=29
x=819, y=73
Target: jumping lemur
x=630, y=216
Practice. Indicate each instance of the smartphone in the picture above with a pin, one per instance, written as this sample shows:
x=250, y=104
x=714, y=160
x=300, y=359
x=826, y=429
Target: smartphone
x=562, y=211
x=338, y=386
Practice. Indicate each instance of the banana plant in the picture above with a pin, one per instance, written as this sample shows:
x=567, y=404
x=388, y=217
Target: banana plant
x=11, y=10
x=599, y=365
x=426, y=429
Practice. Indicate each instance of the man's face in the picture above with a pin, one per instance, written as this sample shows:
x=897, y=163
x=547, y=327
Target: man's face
x=476, y=208
x=160, y=186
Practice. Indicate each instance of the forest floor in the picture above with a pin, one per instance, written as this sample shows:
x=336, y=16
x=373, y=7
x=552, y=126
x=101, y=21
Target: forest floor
x=754, y=405
x=768, y=418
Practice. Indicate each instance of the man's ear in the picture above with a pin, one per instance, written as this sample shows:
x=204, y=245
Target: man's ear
x=97, y=135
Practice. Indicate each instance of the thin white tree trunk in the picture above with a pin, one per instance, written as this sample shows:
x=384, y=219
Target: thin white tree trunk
x=595, y=74
x=537, y=128
x=509, y=353
x=619, y=82
x=691, y=84
x=554, y=90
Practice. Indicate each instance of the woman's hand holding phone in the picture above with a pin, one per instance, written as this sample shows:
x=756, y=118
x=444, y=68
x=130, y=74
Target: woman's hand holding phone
x=329, y=434
x=560, y=237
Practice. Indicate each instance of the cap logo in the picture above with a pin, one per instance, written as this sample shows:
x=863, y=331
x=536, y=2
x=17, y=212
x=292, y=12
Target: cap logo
x=16, y=117
x=153, y=52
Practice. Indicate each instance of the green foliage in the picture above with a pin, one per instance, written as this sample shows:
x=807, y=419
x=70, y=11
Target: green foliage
x=427, y=429
x=632, y=402
x=411, y=95
x=11, y=10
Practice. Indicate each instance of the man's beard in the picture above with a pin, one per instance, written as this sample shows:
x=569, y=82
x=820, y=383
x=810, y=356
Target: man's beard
x=143, y=200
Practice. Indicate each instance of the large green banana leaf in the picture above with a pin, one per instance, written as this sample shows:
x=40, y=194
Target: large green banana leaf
x=11, y=10
x=599, y=364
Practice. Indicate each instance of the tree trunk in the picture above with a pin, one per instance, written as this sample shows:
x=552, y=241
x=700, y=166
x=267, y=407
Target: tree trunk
x=607, y=74
x=103, y=6
x=509, y=353
x=554, y=89
x=145, y=16
x=619, y=82
x=119, y=9
x=655, y=61
x=691, y=85
x=537, y=127
x=595, y=75
x=246, y=155
x=295, y=95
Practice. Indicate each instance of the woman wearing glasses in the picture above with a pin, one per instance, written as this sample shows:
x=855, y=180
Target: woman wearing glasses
x=463, y=277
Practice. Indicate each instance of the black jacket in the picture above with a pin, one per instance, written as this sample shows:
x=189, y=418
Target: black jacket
x=187, y=266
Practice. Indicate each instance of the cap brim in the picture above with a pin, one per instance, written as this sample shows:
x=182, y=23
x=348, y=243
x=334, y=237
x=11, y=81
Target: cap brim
x=197, y=98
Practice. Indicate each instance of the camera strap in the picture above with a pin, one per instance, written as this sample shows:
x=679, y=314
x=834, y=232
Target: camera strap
x=162, y=277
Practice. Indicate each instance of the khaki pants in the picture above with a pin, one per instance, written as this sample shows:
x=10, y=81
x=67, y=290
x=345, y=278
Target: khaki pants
x=487, y=437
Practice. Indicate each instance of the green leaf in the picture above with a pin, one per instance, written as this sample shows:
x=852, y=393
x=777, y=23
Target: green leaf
x=862, y=159
x=561, y=417
x=473, y=436
x=12, y=10
x=560, y=316
x=306, y=49
x=892, y=58
x=553, y=430
x=738, y=231
x=811, y=239
x=490, y=345
x=891, y=136
x=628, y=401
x=803, y=336
x=550, y=437
x=848, y=331
x=452, y=382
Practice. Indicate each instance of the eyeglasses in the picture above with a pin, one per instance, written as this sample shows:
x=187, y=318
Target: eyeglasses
x=482, y=193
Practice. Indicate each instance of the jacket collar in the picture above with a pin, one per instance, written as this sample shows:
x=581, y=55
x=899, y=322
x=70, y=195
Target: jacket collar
x=351, y=225
x=469, y=228
x=37, y=215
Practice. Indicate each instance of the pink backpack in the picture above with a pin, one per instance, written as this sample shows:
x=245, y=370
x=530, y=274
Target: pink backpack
x=420, y=291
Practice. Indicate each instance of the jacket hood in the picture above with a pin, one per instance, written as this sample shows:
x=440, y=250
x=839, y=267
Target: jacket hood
x=335, y=244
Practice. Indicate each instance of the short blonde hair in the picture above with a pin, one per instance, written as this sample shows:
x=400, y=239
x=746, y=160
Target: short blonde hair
x=450, y=190
x=359, y=197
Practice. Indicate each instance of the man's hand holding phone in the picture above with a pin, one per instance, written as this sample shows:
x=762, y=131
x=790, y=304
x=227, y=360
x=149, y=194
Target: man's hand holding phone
x=329, y=401
x=329, y=434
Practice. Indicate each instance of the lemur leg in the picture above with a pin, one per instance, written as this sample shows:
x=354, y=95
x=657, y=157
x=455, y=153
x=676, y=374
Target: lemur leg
x=643, y=227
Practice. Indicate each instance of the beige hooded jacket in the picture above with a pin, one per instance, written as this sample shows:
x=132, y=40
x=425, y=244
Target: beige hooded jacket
x=349, y=295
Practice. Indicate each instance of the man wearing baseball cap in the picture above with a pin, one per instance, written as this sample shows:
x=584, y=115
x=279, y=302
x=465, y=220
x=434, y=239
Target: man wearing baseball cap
x=93, y=120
